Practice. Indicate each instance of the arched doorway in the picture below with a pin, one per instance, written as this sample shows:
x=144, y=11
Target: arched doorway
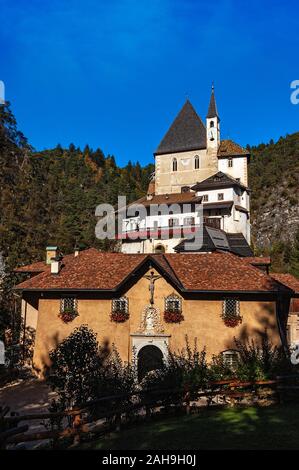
x=149, y=358
x=159, y=249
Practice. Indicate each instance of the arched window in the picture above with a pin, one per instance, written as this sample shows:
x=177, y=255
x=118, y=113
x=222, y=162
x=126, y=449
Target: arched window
x=174, y=165
x=160, y=249
x=212, y=124
x=196, y=162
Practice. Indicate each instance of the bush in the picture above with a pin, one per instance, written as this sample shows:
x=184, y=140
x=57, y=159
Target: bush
x=260, y=361
x=76, y=363
x=185, y=371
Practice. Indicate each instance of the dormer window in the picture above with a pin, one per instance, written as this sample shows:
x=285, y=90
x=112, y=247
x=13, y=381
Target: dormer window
x=174, y=165
x=196, y=162
x=230, y=163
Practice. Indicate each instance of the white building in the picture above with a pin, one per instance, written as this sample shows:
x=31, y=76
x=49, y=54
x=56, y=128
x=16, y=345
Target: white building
x=205, y=178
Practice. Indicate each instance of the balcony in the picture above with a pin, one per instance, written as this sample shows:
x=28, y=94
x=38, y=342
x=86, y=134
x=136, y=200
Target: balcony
x=177, y=231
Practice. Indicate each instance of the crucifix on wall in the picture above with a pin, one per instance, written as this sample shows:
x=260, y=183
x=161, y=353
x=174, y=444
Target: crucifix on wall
x=152, y=277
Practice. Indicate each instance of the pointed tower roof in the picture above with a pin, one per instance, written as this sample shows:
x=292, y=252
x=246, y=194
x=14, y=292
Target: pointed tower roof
x=187, y=132
x=212, y=111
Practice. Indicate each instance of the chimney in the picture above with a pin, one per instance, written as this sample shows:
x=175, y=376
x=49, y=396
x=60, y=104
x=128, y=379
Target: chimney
x=76, y=250
x=51, y=252
x=150, y=191
x=55, y=264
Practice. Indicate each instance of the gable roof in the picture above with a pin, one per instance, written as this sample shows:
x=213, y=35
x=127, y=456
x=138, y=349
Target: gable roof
x=187, y=132
x=216, y=181
x=228, y=148
x=171, y=198
x=98, y=271
x=39, y=266
x=288, y=280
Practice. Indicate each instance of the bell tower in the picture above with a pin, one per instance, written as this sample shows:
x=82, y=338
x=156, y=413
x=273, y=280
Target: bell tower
x=213, y=126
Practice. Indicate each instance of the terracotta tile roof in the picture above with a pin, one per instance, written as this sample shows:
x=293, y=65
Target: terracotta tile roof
x=90, y=270
x=171, y=198
x=187, y=132
x=39, y=266
x=219, y=272
x=197, y=271
x=228, y=148
x=288, y=280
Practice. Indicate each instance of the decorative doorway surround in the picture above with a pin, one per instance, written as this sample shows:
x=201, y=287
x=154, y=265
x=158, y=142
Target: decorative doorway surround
x=140, y=340
x=150, y=332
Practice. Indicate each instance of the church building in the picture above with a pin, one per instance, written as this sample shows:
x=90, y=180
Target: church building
x=147, y=298
x=193, y=167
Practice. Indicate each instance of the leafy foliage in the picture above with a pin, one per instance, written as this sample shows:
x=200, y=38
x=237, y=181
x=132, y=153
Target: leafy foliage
x=185, y=370
x=257, y=360
x=75, y=366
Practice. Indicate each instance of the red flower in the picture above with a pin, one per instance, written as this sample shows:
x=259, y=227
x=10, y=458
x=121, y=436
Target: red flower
x=173, y=317
x=119, y=317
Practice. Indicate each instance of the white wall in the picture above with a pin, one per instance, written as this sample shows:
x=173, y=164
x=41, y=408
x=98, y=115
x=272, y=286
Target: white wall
x=238, y=170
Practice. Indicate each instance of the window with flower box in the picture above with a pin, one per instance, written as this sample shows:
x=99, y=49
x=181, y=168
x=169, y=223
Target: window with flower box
x=68, y=308
x=231, y=312
x=173, y=309
x=120, y=309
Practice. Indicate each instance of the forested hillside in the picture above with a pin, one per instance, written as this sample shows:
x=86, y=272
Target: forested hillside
x=274, y=181
x=50, y=196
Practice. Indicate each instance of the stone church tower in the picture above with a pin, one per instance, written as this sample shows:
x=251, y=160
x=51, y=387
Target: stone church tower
x=213, y=129
x=188, y=151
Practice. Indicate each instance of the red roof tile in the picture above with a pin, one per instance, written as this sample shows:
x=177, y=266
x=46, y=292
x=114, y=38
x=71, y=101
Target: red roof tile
x=189, y=271
x=219, y=272
x=90, y=270
x=288, y=280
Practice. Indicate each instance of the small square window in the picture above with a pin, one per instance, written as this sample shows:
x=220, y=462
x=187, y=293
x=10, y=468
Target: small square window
x=68, y=304
x=205, y=197
x=173, y=304
x=220, y=196
x=120, y=305
x=230, y=358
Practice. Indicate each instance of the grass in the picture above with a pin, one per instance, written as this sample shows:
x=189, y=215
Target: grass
x=235, y=428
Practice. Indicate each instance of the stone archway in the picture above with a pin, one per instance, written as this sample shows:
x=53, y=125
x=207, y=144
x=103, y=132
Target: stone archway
x=149, y=358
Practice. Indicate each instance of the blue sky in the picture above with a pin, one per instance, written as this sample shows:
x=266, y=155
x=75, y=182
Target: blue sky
x=115, y=74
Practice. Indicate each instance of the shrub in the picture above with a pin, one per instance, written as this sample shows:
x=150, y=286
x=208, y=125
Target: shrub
x=76, y=363
x=182, y=372
x=260, y=360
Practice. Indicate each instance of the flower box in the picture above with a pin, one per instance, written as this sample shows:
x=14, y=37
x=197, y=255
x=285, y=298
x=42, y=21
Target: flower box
x=68, y=315
x=232, y=321
x=173, y=317
x=119, y=316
